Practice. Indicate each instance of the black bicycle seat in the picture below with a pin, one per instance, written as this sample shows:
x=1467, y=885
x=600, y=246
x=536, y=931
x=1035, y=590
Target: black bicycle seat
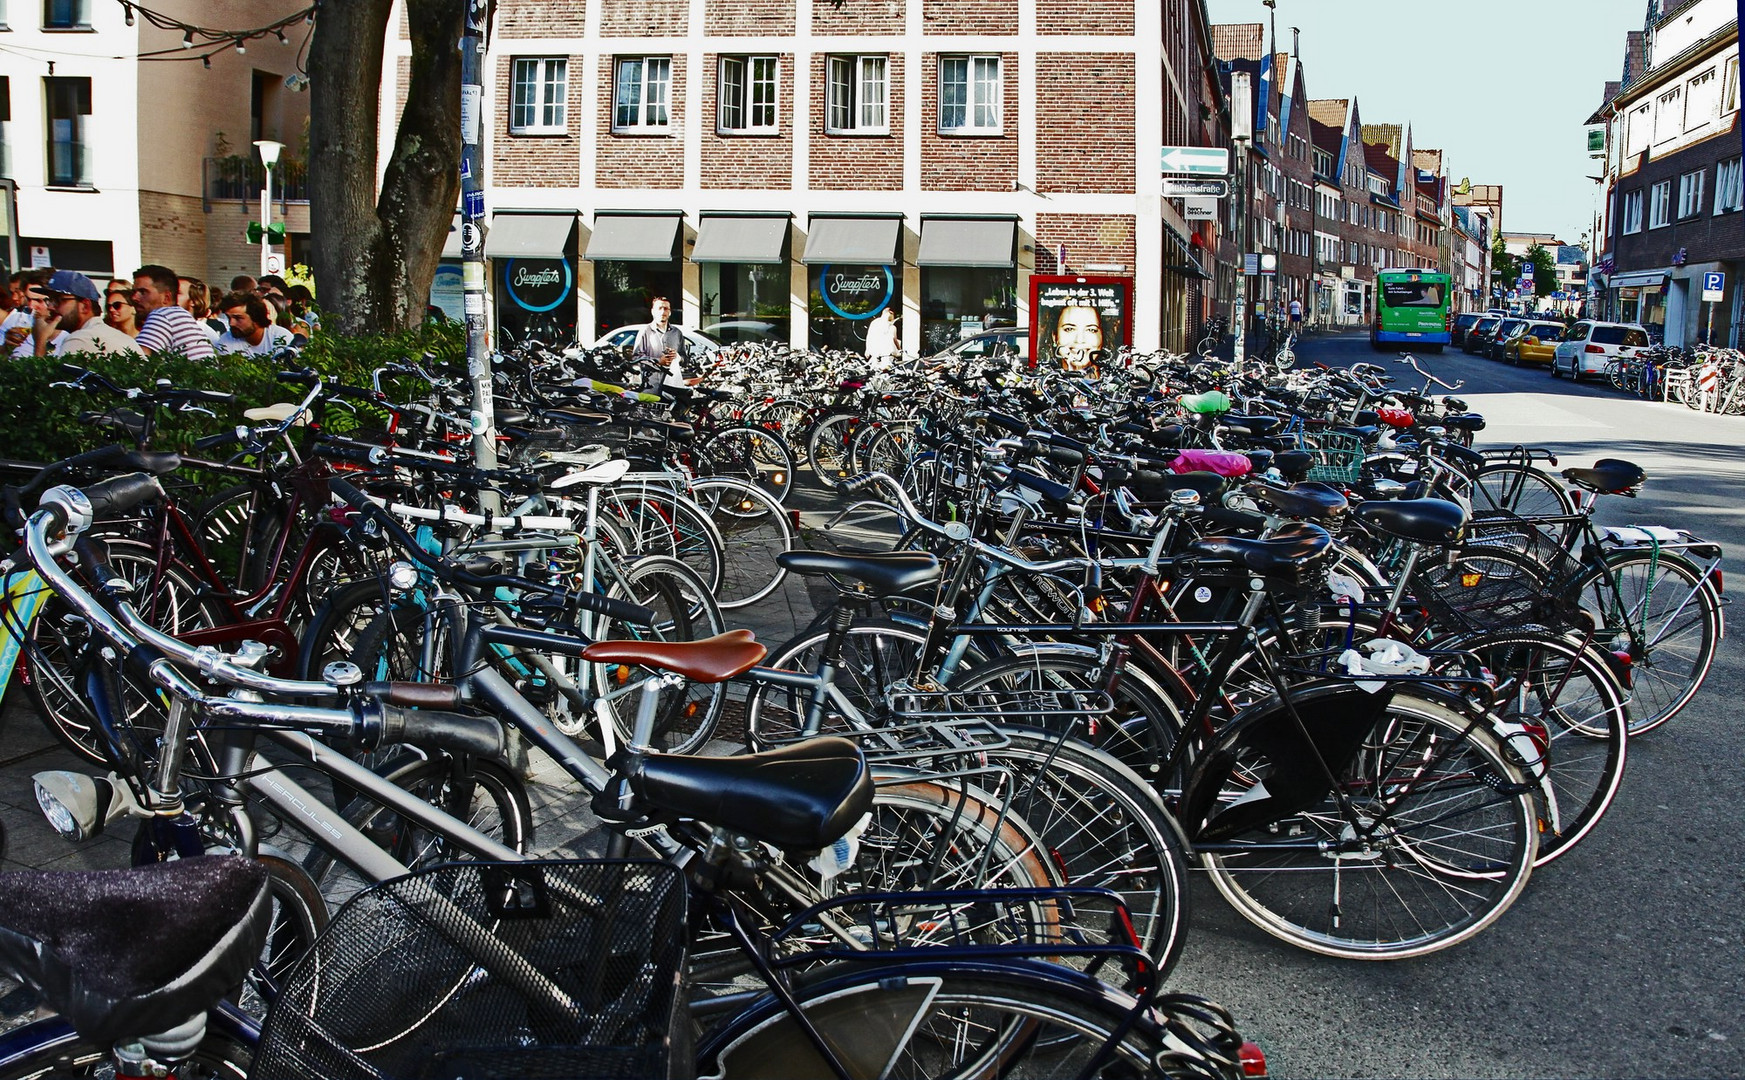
x=881, y=574
x=1312, y=500
x=1293, y=463
x=128, y=953
x=1426, y=521
x=1159, y=486
x=1253, y=425
x=1464, y=422
x=1290, y=549
x=1609, y=476
x=800, y=797
x=1258, y=460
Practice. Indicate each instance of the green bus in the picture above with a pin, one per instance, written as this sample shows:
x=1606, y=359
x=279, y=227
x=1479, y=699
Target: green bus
x=1412, y=308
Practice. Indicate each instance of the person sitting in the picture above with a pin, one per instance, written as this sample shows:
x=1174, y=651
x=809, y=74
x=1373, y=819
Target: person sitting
x=119, y=312
x=71, y=314
x=252, y=329
x=168, y=327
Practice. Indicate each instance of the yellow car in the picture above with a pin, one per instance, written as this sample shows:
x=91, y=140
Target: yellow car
x=1535, y=343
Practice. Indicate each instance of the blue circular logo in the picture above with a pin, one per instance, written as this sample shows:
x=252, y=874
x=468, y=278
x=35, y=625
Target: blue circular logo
x=537, y=284
x=854, y=290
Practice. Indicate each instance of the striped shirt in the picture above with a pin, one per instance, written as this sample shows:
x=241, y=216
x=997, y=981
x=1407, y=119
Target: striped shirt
x=173, y=329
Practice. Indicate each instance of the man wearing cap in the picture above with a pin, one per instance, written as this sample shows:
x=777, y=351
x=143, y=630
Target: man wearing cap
x=69, y=319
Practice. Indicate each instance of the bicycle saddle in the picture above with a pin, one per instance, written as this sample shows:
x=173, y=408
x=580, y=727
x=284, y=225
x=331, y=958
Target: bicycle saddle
x=129, y=953
x=1212, y=401
x=1311, y=500
x=709, y=660
x=1464, y=422
x=1222, y=462
x=881, y=575
x=1287, y=551
x=1609, y=476
x=800, y=797
x=1426, y=521
x=1158, y=487
x=1293, y=464
x=1463, y=456
x=1253, y=425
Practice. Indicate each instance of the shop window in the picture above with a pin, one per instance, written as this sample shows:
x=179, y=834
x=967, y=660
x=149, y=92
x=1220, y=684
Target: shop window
x=958, y=301
x=843, y=300
x=623, y=290
x=745, y=301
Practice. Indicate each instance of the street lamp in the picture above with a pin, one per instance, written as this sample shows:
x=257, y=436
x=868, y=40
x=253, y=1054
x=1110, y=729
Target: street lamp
x=269, y=157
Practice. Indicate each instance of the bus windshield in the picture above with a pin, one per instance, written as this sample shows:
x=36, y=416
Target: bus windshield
x=1412, y=293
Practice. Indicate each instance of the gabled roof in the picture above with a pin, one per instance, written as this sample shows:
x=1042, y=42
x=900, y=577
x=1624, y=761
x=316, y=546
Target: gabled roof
x=1239, y=41
x=1389, y=135
x=1377, y=157
x=1330, y=111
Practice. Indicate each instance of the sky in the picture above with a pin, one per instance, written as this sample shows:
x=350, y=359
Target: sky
x=1502, y=87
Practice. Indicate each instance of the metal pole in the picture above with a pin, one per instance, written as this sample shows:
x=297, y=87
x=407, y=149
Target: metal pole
x=472, y=95
x=266, y=219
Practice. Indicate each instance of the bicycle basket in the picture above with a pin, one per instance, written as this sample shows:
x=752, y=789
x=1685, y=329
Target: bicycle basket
x=480, y=970
x=1480, y=593
x=1338, y=457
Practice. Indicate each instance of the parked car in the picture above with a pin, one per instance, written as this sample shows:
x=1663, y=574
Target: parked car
x=1508, y=328
x=701, y=344
x=1589, y=346
x=1478, y=337
x=1535, y=343
x=1463, y=322
x=1003, y=341
x=746, y=330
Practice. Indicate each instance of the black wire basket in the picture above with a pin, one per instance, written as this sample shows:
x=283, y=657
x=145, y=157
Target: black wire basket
x=472, y=971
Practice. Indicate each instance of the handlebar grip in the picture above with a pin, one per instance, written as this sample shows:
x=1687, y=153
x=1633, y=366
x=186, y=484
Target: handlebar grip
x=348, y=492
x=614, y=608
x=479, y=736
x=298, y=378
x=223, y=438
x=856, y=484
x=414, y=695
x=1010, y=423
x=119, y=494
x=93, y=558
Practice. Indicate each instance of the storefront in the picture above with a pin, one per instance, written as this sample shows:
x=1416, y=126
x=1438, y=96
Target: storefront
x=1641, y=298
x=854, y=271
x=743, y=279
x=969, y=277
x=635, y=257
x=533, y=261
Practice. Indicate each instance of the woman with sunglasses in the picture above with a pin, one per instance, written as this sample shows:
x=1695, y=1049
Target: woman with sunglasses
x=118, y=311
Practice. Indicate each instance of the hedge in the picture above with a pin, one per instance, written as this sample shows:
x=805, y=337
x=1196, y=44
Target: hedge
x=39, y=422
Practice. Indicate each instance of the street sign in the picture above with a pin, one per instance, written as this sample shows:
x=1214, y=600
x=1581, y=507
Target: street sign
x=1195, y=161
x=1268, y=264
x=1714, y=287
x=275, y=263
x=1174, y=188
x=1200, y=209
x=1250, y=264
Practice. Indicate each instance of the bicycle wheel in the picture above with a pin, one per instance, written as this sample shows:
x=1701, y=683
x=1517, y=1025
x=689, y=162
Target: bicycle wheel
x=388, y=636
x=754, y=530
x=752, y=454
x=828, y=448
x=1658, y=609
x=483, y=794
x=656, y=521
x=1522, y=490
x=1428, y=835
x=876, y=654
x=299, y=915
x=1571, y=706
x=685, y=610
x=888, y=448
x=973, y=1019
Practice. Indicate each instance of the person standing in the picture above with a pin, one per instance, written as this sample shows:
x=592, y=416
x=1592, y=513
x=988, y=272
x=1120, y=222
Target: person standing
x=252, y=329
x=168, y=327
x=71, y=314
x=881, y=339
x=660, y=344
x=1296, y=314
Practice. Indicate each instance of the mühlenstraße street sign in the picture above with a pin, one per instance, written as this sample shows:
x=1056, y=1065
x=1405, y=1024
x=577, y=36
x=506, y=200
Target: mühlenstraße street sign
x=1195, y=161
x=1177, y=188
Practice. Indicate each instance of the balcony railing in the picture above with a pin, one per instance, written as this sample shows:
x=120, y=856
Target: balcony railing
x=239, y=179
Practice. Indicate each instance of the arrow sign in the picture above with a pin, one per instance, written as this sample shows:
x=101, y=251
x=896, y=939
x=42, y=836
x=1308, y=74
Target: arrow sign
x=1174, y=188
x=1714, y=287
x=1195, y=161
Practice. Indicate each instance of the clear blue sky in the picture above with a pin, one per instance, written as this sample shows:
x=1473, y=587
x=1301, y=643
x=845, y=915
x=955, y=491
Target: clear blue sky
x=1502, y=87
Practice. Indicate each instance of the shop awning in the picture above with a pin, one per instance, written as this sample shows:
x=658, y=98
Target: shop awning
x=1649, y=279
x=635, y=237
x=968, y=242
x=529, y=236
x=451, y=246
x=731, y=238
x=865, y=240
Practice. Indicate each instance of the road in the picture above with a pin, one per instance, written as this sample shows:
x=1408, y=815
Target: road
x=1625, y=958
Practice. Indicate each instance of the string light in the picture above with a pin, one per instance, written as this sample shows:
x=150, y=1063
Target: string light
x=240, y=47
x=206, y=42
x=188, y=40
x=280, y=34
x=127, y=10
x=206, y=62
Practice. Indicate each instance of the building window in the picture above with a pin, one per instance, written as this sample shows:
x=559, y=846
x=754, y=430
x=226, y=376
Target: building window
x=66, y=15
x=969, y=95
x=1730, y=87
x=1729, y=191
x=858, y=96
x=537, y=107
x=1660, y=204
x=1640, y=128
x=643, y=88
x=1700, y=103
x=745, y=102
x=1632, y=219
x=1690, y=194
x=1668, y=120
x=69, y=110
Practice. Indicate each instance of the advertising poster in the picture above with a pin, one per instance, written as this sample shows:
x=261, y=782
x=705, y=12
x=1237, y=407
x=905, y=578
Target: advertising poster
x=536, y=301
x=844, y=300
x=1079, y=322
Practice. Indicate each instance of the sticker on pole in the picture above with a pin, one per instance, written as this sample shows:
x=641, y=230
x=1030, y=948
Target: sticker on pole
x=470, y=97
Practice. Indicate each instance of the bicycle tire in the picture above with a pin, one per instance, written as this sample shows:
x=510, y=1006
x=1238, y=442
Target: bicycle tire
x=299, y=915
x=1422, y=885
x=62, y=1055
x=755, y=529
x=753, y=454
x=828, y=448
x=1670, y=635
x=877, y=654
x=657, y=521
x=685, y=610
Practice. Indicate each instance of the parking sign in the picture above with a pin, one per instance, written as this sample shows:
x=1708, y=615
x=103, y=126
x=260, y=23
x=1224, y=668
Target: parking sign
x=1714, y=287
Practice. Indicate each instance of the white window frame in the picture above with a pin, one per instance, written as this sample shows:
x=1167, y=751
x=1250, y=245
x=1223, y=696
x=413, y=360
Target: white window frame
x=1730, y=87
x=982, y=85
x=1690, y=194
x=1702, y=98
x=1670, y=105
x=748, y=95
x=651, y=109
x=850, y=85
x=1641, y=130
x=1631, y=219
x=1730, y=186
x=548, y=112
x=1660, y=205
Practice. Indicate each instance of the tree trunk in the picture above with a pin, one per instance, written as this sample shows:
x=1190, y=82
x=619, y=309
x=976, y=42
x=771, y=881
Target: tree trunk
x=377, y=250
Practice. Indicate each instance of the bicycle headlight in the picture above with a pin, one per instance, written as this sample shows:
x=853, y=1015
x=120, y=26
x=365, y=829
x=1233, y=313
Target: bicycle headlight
x=73, y=803
x=402, y=576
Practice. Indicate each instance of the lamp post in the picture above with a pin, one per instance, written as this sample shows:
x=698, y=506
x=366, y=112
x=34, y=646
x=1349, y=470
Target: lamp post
x=269, y=157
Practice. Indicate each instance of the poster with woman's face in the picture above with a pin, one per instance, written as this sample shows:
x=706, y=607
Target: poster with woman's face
x=1080, y=322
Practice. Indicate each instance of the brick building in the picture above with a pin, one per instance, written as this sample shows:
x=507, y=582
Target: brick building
x=1675, y=202
x=785, y=169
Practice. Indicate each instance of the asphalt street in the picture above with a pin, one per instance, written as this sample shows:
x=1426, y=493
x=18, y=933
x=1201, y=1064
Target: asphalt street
x=1625, y=958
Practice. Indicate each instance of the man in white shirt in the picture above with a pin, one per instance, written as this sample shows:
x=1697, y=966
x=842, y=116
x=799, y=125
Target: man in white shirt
x=660, y=345
x=252, y=329
x=16, y=326
x=71, y=320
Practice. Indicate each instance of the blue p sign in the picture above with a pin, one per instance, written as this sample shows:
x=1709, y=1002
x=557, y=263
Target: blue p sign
x=1714, y=286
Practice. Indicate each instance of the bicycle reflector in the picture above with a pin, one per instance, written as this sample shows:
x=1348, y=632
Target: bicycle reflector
x=1253, y=1059
x=78, y=806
